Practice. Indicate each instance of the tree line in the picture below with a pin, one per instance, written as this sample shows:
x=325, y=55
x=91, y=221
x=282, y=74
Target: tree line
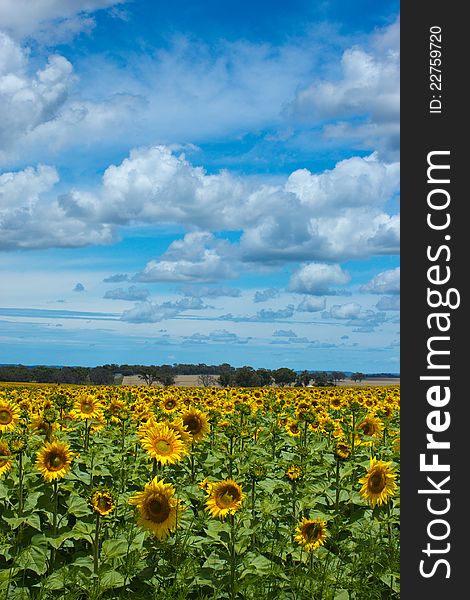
x=224, y=375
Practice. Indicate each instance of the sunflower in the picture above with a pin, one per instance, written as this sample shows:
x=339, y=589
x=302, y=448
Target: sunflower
x=54, y=460
x=169, y=405
x=292, y=428
x=294, y=472
x=205, y=485
x=342, y=450
x=371, y=426
x=163, y=444
x=196, y=424
x=311, y=533
x=9, y=415
x=102, y=502
x=378, y=485
x=5, y=462
x=87, y=407
x=225, y=498
x=178, y=427
x=158, y=508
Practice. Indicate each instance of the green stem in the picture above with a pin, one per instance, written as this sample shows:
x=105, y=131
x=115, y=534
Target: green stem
x=87, y=435
x=55, y=511
x=20, y=483
x=96, y=545
x=337, y=485
x=232, y=557
x=230, y=460
x=294, y=498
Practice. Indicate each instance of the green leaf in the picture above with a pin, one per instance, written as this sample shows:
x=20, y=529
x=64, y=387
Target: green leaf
x=256, y=565
x=342, y=595
x=34, y=557
x=114, y=548
x=77, y=506
x=111, y=579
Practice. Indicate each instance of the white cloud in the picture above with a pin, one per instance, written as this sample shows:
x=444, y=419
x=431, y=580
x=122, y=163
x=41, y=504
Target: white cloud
x=28, y=219
x=49, y=19
x=264, y=295
x=132, y=293
x=205, y=291
x=317, y=279
x=368, y=91
x=313, y=304
x=199, y=256
x=388, y=303
x=29, y=101
x=284, y=333
x=350, y=310
x=386, y=282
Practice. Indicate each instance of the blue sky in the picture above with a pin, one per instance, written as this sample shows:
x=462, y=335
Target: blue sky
x=200, y=182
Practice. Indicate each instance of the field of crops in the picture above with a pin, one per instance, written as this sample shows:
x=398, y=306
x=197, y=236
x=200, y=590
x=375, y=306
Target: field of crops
x=199, y=493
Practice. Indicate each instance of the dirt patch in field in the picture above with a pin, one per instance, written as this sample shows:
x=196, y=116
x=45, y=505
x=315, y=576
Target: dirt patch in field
x=193, y=381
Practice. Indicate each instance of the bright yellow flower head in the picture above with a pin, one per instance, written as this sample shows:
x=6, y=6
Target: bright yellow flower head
x=54, y=460
x=378, y=485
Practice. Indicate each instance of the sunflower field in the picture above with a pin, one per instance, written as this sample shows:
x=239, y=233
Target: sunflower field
x=199, y=493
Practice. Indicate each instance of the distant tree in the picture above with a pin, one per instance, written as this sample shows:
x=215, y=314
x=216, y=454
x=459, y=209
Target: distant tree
x=284, y=376
x=149, y=374
x=322, y=379
x=207, y=380
x=265, y=377
x=246, y=377
x=166, y=377
x=357, y=376
x=101, y=376
x=338, y=376
x=303, y=378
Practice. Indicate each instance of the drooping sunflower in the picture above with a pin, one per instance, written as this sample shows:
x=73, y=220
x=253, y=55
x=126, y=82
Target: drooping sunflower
x=102, y=502
x=371, y=426
x=54, y=460
x=163, y=444
x=311, y=533
x=87, y=407
x=342, y=450
x=292, y=428
x=225, y=498
x=9, y=415
x=158, y=508
x=196, y=423
x=378, y=485
x=5, y=462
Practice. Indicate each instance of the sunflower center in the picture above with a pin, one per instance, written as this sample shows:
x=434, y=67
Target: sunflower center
x=228, y=497
x=169, y=404
x=313, y=531
x=377, y=482
x=56, y=462
x=6, y=416
x=104, y=503
x=163, y=447
x=158, y=509
x=87, y=407
x=193, y=424
x=368, y=428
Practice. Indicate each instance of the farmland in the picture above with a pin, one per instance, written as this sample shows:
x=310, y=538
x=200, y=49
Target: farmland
x=111, y=492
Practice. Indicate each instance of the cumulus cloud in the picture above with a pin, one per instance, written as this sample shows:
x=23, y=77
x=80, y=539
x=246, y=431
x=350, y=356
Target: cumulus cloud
x=312, y=304
x=210, y=291
x=132, y=293
x=50, y=20
x=350, y=310
x=220, y=336
x=388, y=303
x=317, y=279
x=199, y=256
x=364, y=102
x=79, y=287
x=284, y=333
x=264, y=295
x=118, y=278
x=28, y=101
x=386, y=282
x=150, y=312
x=30, y=219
